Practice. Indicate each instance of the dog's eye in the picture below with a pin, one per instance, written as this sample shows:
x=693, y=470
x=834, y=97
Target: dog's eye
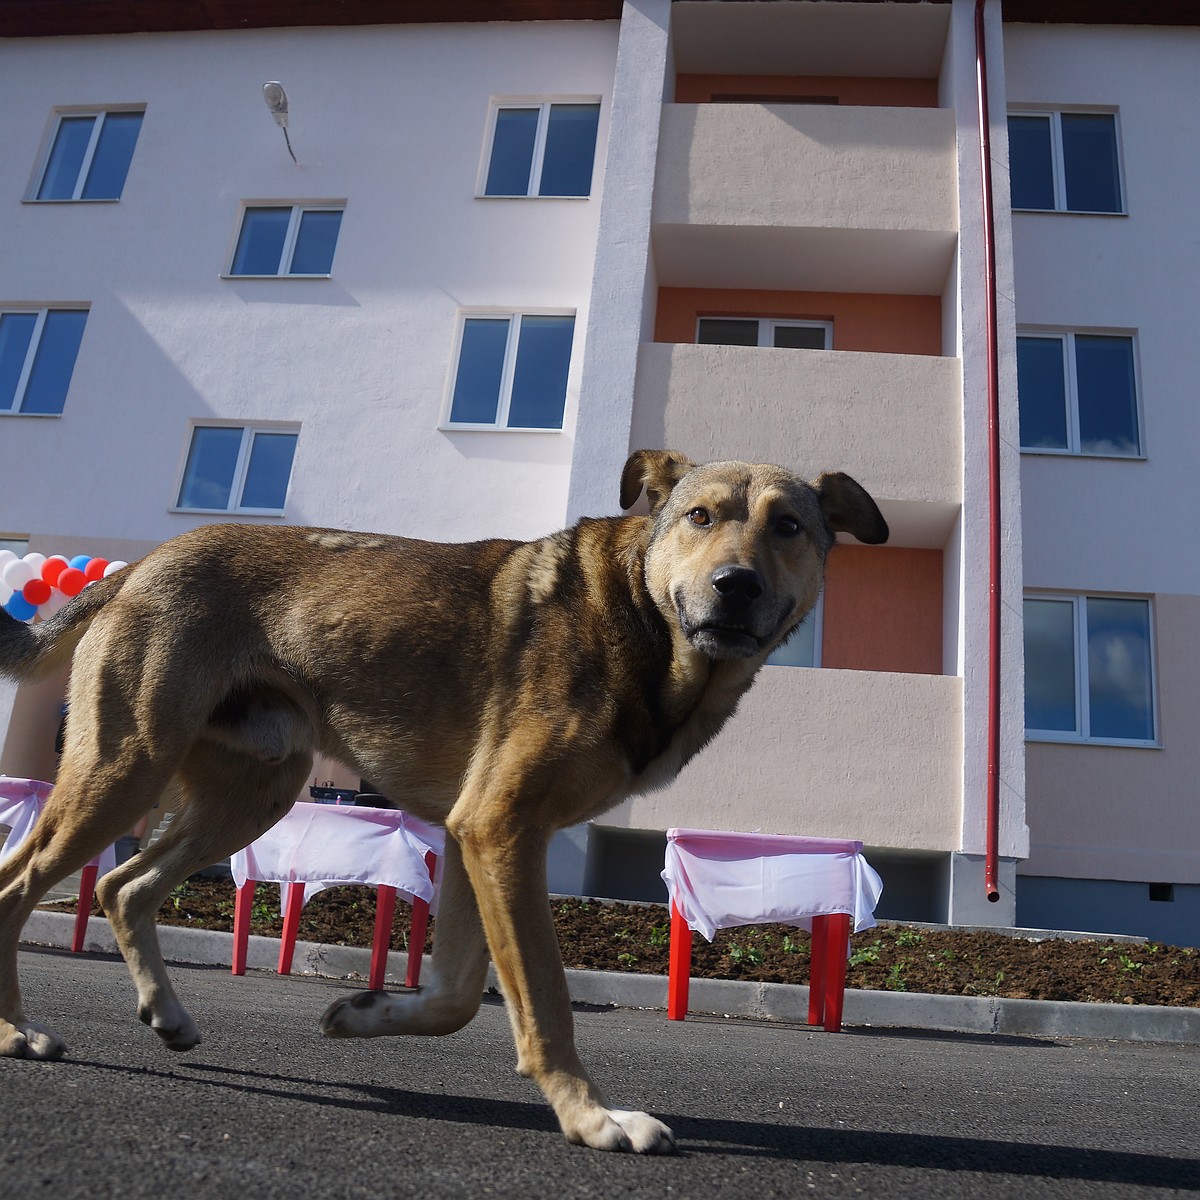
x=787, y=526
x=699, y=516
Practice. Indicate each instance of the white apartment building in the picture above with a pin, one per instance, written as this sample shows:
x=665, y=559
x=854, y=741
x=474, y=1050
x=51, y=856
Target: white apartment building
x=517, y=241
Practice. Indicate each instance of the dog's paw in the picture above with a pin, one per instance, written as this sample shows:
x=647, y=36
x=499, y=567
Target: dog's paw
x=622, y=1129
x=357, y=1015
x=30, y=1040
x=176, y=1028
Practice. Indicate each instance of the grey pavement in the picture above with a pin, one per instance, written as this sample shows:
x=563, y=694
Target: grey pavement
x=266, y=1108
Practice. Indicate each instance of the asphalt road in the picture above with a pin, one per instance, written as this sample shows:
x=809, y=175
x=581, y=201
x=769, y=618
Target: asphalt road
x=266, y=1108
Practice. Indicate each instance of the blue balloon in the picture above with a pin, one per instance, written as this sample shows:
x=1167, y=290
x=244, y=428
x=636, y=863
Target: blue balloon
x=19, y=607
x=80, y=561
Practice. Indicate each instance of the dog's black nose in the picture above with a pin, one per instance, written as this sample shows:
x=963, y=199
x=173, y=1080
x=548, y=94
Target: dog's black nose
x=737, y=583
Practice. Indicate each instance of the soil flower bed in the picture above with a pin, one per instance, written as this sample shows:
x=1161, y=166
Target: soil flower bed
x=602, y=935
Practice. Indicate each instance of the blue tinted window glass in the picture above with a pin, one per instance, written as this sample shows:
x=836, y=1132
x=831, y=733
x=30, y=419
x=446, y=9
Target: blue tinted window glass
x=1108, y=421
x=316, y=241
x=727, y=331
x=800, y=649
x=66, y=158
x=53, y=362
x=539, y=389
x=1089, y=144
x=212, y=460
x=114, y=151
x=269, y=470
x=1119, y=689
x=1050, y=665
x=15, y=331
x=1030, y=162
x=1042, y=393
x=512, y=152
x=480, y=371
x=570, y=150
x=260, y=244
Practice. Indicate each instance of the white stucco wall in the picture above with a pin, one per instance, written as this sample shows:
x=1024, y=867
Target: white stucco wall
x=392, y=121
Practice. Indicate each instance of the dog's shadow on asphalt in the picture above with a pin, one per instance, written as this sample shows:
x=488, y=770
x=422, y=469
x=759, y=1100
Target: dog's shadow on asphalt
x=700, y=1137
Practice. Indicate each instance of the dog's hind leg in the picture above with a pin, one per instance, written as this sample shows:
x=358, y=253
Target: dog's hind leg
x=452, y=984
x=230, y=799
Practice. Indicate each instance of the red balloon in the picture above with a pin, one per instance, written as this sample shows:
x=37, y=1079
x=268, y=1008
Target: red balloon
x=72, y=581
x=52, y=568
x=36, y=591
x=95, y=569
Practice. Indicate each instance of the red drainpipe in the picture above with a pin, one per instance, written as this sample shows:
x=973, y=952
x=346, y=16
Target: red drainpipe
x=992, y=850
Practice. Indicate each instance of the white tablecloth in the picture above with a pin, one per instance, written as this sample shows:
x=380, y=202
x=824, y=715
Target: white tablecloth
x=21, y=803
x=325, y=845
x=722, y=880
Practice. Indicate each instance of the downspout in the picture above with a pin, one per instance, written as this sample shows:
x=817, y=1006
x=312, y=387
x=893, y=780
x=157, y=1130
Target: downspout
x=992, y=848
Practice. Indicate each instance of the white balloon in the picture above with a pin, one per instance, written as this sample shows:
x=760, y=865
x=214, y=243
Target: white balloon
x=17, y=574
x=57, y=600
x=35, y=560
x=6, y=556
x=115, y=565
x=5, y=592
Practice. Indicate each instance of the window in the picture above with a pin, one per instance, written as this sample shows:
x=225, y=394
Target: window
x=764, y=331
x=38, y=348
x=512, y=372
x=803, y=648
x=238, y=468
x=1077, y=392
x=1064, y=162
x=89, y=156
x=283, y=240
x=1088, y=669
x=542, y=150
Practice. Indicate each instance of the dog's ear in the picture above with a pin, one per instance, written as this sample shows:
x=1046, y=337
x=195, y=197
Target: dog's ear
x=658, y=471
x=849, y=509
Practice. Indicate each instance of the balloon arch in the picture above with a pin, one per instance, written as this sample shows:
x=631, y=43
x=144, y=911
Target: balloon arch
x=39, y=585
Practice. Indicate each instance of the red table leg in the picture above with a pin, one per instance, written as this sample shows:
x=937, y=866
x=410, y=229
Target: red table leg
x=837, y=944
x=680, y=969
x=292, y=905
x=816, y=971
x=416, y=934
x=241, y=925
x=385, y=910
x=87, y=889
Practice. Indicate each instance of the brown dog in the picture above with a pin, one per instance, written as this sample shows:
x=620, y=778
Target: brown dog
x=504, y=689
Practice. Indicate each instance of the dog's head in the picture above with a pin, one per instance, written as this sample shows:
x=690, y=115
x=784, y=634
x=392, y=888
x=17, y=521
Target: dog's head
x=737, y=550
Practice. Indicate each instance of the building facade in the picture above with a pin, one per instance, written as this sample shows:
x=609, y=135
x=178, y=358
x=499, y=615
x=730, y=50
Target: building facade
x=513, y=245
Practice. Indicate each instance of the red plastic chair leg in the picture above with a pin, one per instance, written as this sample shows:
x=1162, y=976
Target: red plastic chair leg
x=385, y=910
x=416, y=935
x=241, y=925
x=816, y=971
x=292, y=905
x=837, y=943
x=87, y=889
x=679, y=974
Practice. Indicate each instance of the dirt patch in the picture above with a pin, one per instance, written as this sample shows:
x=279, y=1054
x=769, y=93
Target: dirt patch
x=598, y=935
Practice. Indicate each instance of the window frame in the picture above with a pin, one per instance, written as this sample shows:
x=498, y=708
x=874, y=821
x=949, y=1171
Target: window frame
x=766, y=329
x=1082, y=735
x=58, y=115
x=1058, y=170
x=543, y=105
x=508, y=371
x=41, y=314
x=250, y=430
x=1074, y=448
x=287, y=253
x=815, y=617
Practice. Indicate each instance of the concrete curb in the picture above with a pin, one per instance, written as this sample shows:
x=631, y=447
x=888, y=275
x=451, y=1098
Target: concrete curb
x=721, y=997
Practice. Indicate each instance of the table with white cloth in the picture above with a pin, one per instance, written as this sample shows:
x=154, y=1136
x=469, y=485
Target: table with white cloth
x=719, y=880
x=317, y=846
x=21, y=803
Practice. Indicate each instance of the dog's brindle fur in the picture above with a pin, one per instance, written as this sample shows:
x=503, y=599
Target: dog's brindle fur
x=504, y=689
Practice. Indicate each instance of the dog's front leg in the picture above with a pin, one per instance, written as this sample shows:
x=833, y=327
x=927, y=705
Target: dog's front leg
x=507, y=866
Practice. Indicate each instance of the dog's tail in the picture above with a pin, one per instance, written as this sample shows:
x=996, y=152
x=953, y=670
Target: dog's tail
x=31, y=651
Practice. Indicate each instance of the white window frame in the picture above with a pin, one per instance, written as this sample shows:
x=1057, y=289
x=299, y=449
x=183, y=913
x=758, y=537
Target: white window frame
x=1073, y=447
x=534, y=183
x=249, y=430
x=1083, y=709
x=511, y=346
x=35, y=342
x=767, y=327
x=289, y=240
x=1058, y=165
x=815, y=618
x=59, y=115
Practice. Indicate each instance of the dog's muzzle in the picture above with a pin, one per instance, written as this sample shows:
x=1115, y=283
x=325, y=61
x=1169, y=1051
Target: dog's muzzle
x=731, y=623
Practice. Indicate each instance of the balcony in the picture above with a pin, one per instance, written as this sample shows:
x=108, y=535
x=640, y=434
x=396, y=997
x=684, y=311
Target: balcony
x=848, y=754
x=808, y=197
x=893, y=421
